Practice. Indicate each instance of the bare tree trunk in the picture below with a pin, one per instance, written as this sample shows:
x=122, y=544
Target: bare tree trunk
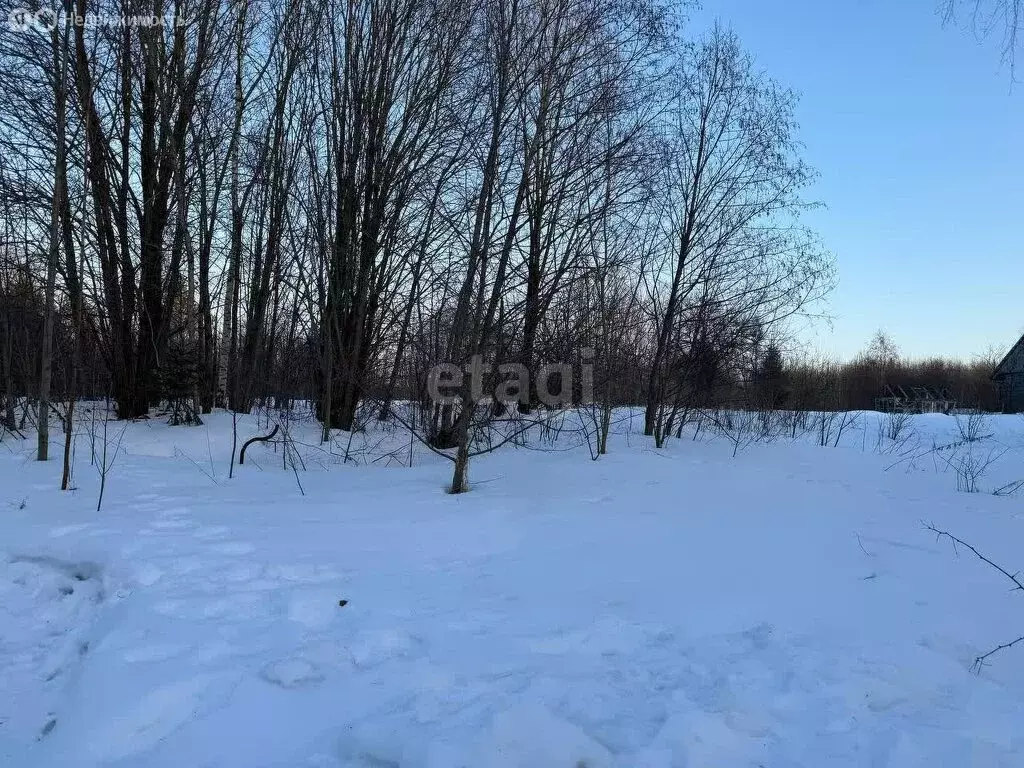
x=10, y=404
x=460, y=477
x=60, y=60
x=73, y=277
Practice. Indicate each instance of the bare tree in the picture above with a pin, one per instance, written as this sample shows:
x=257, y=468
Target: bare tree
x=1001, y=19
x=271, y=203
x=58, y=198
x=733, y=180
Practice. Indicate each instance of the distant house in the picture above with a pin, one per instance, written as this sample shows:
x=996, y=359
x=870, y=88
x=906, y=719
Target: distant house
x=915, y=400
x=1009, y=377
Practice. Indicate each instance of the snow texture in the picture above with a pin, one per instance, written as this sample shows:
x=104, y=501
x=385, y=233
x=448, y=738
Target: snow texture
x=678, y=608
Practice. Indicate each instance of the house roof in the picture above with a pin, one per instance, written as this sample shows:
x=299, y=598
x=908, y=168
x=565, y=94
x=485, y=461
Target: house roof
x=1018, y=347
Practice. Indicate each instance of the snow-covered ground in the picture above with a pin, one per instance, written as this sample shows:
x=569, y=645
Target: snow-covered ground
x=673, y=608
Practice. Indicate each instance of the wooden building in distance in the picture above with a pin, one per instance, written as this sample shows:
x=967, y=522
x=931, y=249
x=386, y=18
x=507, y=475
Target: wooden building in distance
x=915, y=400
x=1009, y=377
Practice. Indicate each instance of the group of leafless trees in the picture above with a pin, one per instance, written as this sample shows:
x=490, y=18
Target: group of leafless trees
x=323, y=199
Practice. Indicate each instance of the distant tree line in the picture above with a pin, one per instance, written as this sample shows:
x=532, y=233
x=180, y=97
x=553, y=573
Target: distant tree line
x=880, y=371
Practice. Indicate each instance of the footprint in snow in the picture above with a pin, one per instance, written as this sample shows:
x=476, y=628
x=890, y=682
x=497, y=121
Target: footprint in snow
x=248, y=574
x=211, y=532
x=304, y=574
x=233, y=548
x=313, y=610
x=148, y=720
x=292, y=673
x=148, y=574
x=151, y=653
x=372, y=648
x=171, y=525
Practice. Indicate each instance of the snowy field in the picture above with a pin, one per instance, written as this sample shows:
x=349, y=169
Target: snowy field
x=677, y=608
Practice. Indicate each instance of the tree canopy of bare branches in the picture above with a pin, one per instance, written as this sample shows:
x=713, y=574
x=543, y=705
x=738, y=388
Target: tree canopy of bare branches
x=290, y=199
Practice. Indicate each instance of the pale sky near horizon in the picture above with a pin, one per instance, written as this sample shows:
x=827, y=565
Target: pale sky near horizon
x=918, y=137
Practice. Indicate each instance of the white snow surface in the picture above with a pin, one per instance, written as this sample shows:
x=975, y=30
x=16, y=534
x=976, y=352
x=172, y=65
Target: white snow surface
x=673, y=608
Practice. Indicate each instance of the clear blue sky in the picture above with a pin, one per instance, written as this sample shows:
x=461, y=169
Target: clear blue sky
x=919, y=140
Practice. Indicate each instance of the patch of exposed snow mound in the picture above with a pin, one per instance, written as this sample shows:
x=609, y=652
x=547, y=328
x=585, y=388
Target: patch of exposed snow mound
x=46, y=608
x=681, y=609
x=531, y=736
x=693, y=737
x=292, y=673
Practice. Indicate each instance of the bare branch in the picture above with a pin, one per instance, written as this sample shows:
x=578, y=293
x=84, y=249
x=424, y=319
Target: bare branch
x=980, y=661
x=1011, y=576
